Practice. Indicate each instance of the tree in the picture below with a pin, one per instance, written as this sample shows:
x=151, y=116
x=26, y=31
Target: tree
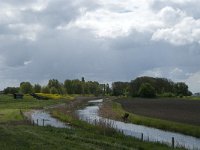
x=120, y=88
x=147, y=90
x=45, y=89
x=53, y=90
x=161, y=85
x=68, y=86
x=11, y=90
x=77, y=86
x=54, y=83
x=181, y=89
x=26, y=87
x=108, y=90
x=37, y=88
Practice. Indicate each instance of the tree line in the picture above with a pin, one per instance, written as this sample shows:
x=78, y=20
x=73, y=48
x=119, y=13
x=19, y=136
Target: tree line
x=150, y=87
x=75, y=86
x=141, y=86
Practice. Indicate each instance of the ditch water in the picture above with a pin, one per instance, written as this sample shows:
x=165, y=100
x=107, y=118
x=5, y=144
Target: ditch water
x=43, y=118
x=91, y=115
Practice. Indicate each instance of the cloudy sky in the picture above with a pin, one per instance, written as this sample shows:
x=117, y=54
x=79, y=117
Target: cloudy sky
x=104, y=40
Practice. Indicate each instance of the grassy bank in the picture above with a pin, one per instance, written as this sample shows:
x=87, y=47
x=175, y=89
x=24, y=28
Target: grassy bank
x=192, y=97
x=105, y=134
x=29, y=137
x=10, y=108
x=28, y=102
x=116, y=111
x=16, y=134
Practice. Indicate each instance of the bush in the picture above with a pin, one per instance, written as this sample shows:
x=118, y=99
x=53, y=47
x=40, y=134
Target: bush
x=147, y=90
x=45, y=89
x=53, y=90
x=167, y=95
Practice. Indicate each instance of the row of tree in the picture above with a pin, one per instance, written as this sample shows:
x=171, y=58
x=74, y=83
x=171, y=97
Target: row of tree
x=141, y=86
x=55, y=87
x=150, y=87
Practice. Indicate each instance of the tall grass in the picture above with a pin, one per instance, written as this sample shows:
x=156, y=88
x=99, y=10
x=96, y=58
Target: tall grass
x=29, y=137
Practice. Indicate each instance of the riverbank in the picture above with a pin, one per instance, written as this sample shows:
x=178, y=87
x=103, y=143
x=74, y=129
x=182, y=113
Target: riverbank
x=112, y=109
x=18, y=134
x=69, y=114
x=34, y=137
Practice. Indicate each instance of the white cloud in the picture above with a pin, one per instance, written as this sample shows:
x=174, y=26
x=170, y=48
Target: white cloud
x=105, y=40
x=173, y=73
x=183, y=33
x=105, y=22
x=171, y=16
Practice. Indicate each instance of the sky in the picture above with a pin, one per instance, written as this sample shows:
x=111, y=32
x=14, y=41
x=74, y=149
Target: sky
x=103, y=40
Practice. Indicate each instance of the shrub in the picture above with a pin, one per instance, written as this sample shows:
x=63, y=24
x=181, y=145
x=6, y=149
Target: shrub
x=53, y=90
x=167, y=95
x=146, y=90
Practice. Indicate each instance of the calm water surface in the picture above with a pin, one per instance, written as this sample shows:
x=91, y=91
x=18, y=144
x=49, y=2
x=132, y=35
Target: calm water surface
x=42, y=117
x=90, y=114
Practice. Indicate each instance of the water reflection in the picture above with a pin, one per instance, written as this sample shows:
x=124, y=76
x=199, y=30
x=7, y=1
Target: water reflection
x=43, y=118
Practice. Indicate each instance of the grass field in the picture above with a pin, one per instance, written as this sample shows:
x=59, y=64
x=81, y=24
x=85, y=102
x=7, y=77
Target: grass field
x=18, y=135
x=192, y=97
x=10, y=108
x=116, y=110
x=48, y=138
x=28, y=102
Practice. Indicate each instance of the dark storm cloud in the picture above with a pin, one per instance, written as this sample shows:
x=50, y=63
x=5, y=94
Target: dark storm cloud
x=100, y=40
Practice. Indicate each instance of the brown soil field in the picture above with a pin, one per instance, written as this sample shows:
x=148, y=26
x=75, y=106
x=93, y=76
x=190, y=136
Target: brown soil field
x=178, y=110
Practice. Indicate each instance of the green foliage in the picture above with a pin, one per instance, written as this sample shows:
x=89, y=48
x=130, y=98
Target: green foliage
x=28, y=102
x=181, y=89
x=73, y=86
x=147, y=90
x=120, y=88
x=37, y=88
x=83, y=87
x=11, y=90
x=53, y=90
x=56, y=86
x=161, y=86
x=56, y=96
x=45, y=89
x=167, y=95
x=26, y=87
x=69, y=87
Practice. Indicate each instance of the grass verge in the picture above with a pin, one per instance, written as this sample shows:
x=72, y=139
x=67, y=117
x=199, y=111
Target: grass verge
x=105, y=134
x=10, y=108
x=29, y=137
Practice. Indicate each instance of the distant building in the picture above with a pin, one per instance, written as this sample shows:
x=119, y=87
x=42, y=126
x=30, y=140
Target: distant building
x=18, y=96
